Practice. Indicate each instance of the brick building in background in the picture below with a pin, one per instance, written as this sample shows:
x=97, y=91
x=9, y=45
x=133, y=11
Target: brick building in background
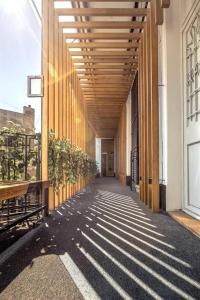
x=25, y=119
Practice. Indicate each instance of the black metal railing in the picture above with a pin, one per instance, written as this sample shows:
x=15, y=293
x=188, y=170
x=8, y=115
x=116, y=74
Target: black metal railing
x=32, y=206
x=20, y=162
x=20, y=156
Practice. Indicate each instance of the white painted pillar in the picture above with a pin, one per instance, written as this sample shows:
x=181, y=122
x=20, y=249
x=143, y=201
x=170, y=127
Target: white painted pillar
x=171, y=102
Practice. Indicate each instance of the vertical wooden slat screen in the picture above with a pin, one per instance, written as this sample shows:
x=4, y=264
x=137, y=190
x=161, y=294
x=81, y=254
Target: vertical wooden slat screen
x=67, y=96
x=148, y=112
x=154, y=111
x=63, y=108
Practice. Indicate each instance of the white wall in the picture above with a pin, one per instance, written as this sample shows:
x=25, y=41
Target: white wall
x=170, y=75
x=98, y=153
x=128, y=135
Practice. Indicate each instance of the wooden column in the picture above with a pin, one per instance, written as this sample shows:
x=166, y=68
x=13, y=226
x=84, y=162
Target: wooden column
x=45, y=102
x=149, y=113
x=154, y=110
x=62, y=105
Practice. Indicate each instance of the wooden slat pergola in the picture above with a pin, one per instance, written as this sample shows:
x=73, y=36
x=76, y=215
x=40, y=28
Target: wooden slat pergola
x=102, y=45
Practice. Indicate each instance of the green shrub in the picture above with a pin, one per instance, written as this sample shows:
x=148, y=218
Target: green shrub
x=67, y=162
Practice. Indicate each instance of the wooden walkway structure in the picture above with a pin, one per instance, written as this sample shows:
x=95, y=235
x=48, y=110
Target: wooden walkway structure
x=92, y=51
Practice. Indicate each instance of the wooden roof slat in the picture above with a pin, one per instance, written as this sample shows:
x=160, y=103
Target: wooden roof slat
x=119, y=77
x=104, y=53
x=102, y=72
x=104, y=60
x=107, y=92
x=105, y=88
x=104, y=0
x=103, y=45
x=91, y=12
x=103, y=85
x=105, y=67
x=103, y=35
x=103, y=25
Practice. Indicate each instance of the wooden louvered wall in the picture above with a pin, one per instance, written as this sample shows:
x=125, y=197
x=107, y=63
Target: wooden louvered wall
x=104, y=70
x=63, y=108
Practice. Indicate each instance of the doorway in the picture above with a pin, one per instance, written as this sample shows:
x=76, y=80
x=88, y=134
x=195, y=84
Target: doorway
x=107, y=157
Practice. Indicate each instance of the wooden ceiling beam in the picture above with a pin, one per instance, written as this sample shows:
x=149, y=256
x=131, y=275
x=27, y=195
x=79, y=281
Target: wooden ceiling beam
x=112, y=84
x=105, y=92
x=120, y=60
x=103, y=97
x=110, y=80
x=98, y=93
x=91, y=12
x=116, y=88
x=106, y=104
x=88, y=1
x=102, y=72
x=104, y=53
x=100, y=79
x=96, y=85
x=103, y=45
x=103, y=25
x=103, y=36
x=104, y=67
x=105, y=88
x=111, y=76
x=107, y=97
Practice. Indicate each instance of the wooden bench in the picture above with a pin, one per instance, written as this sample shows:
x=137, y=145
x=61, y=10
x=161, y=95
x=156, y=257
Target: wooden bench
x=10, y=190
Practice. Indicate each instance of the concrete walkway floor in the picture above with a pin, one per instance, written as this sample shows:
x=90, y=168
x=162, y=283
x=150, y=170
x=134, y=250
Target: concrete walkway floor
x=104, y=244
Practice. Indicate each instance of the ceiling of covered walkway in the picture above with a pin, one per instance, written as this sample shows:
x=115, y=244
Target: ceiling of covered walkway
x=103, y=38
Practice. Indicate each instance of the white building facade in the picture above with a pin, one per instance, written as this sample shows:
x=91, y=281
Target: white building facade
x=179, y=87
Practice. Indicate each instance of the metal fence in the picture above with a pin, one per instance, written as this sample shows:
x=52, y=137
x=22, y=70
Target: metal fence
x=20, y=161
x=20, y=156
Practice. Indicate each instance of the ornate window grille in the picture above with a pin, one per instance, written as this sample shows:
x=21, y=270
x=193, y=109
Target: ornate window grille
x=193, y=70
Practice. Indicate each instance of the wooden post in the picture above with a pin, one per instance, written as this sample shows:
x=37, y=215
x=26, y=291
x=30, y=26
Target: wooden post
x=45, y=104
x=148, y=118
x=154, y=110
x=62, y=102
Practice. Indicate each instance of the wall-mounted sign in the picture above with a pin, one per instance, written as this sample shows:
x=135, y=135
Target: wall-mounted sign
x=35, y=86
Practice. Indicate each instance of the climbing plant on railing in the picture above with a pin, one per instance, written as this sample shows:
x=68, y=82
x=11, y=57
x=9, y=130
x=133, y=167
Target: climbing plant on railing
x=67, y=162
x=19, y=153
x=20, y=157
